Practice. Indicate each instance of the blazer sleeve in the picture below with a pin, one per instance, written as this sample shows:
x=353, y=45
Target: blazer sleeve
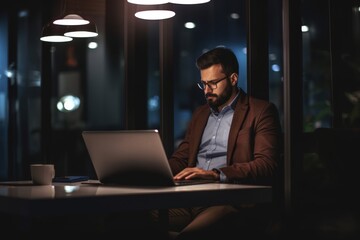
x=186, y=153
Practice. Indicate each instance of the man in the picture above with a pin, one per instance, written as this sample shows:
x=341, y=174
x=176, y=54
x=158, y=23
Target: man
x=232, y=138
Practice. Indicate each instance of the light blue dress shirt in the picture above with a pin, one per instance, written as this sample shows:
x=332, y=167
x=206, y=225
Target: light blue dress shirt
x=213, y=146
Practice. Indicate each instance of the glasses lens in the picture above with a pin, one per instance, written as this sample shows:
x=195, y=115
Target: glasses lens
x=201, y=86
x=211, y=84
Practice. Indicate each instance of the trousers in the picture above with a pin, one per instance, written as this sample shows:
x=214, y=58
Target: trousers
x=211, y=222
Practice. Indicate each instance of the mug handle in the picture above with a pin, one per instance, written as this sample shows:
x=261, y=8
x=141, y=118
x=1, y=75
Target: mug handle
x=53, y=172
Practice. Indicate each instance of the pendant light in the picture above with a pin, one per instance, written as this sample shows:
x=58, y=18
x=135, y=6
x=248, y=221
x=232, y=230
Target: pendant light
x=159, y=13
x=152, y=9
x=70, y=26
x=82, y=31
x=69, y=17
x=54, y=33
x=71, y=20
x=154, y=14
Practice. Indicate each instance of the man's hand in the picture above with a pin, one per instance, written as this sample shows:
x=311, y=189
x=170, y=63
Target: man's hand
x=191, y=173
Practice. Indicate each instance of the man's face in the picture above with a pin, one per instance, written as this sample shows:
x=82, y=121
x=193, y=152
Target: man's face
x=216, y=96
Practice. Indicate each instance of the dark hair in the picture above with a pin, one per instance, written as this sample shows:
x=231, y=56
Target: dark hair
x=219, y=55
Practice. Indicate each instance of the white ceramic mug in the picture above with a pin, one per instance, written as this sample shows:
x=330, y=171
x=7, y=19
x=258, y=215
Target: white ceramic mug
x=42, y=174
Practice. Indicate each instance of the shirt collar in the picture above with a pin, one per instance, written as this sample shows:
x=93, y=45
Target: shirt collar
x=231, y=104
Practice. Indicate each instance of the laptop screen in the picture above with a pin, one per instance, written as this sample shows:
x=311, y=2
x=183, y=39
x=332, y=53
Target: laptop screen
x=129, y=157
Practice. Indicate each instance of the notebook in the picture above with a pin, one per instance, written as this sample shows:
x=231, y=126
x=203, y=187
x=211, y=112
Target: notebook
x=131, y=157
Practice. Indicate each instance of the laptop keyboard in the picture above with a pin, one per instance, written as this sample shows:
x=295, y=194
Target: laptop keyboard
x=185, y=182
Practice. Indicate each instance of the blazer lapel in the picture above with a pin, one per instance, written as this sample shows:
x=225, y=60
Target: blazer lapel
x=241, y=110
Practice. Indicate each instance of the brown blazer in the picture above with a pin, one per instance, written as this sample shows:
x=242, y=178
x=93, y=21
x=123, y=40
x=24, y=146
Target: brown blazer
x=253, y=145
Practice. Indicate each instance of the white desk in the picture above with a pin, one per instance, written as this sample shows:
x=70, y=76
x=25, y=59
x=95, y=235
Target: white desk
x=29, y=208
x=25, y=199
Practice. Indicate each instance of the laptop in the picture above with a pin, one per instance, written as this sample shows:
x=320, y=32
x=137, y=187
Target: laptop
x=131, y=157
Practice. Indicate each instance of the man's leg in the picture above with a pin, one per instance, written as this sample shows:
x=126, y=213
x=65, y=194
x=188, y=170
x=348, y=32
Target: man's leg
x=210, y=223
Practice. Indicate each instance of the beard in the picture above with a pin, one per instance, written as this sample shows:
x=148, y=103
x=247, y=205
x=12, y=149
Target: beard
x=219, y=99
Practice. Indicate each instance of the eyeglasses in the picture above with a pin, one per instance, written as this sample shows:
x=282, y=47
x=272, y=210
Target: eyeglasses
x=211, y=84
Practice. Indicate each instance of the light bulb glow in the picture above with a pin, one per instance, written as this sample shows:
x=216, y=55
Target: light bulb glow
x=81, y=34
x=68, y=103
x=148, y=2
x=155, y=14
x=189, y=2
x=56, y=38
